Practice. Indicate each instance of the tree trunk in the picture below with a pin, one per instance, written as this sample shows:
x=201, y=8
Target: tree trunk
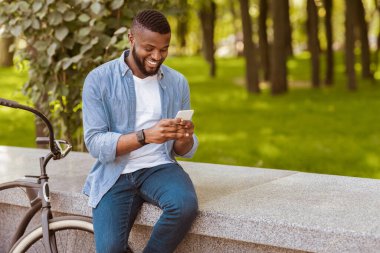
x=182, y=23
x=363, y=31
x=252, y=77
x=288, y=27
x=313, y=41
x=349, y=45
x=329, y=40
x=279, y=80
x=235, y=27
x=377, y=54
x=207, y=16
x=263, y=39
x=6, y=57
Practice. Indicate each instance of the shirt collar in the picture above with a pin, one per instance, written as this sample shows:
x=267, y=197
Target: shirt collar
x=124, y=68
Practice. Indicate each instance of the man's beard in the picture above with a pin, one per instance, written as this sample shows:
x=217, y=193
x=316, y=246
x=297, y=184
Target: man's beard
x=140, y=65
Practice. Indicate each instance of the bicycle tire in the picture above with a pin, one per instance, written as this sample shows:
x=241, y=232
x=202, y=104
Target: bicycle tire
x=73, y=228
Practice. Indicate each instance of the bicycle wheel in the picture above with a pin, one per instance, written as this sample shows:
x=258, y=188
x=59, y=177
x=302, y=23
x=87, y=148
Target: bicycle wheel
x=73, y=234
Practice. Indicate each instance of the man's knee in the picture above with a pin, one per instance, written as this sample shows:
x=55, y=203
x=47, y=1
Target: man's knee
x=183, y=207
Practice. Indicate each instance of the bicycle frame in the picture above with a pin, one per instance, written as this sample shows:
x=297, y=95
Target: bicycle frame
x=38, y=191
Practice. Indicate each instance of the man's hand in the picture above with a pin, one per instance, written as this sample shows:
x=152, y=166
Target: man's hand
x=169, y=129
x=183, y=144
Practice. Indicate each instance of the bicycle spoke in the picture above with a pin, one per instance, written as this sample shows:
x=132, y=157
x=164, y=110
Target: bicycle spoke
x=68, y=241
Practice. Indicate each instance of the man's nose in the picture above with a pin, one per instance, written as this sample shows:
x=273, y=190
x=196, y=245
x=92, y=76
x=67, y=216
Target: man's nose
x=156, y=55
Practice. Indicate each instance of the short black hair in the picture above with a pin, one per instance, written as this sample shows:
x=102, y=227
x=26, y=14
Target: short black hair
x=152, y=20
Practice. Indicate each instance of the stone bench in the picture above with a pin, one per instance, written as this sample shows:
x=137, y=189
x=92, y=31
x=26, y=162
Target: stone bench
x=242, y=209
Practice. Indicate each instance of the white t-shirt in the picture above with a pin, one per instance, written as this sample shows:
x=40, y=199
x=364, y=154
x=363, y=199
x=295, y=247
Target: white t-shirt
x=148, y=113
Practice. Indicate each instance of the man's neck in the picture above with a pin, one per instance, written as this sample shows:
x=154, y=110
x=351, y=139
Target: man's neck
x=132, y=65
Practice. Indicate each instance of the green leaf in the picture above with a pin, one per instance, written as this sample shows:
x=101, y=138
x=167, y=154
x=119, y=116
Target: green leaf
x=116, y=4
x=85, y=4
x=69, y=16
x=76, y=58
x=112, y=41
x=66, y=63
x=37, y=5
x=100, y=26
x=16, y=30
x=52, y=48
x=12, y=7
x=13, y=22
x=92, y=22
x=83, y=40
x=121, y=30
x=26, y=24
x=54, y=18
x=42, y=13
x=3, y=19
x=36, y=24
x=40, y=45
x=84, y=17
x=61, y=33
x=96, y=8
x=61, y=7
x=94, y=41
x=85, y=48
x=23, y=6
x=83, y=32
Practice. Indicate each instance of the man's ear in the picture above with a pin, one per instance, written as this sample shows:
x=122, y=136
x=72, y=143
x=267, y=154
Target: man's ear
x=131, y=38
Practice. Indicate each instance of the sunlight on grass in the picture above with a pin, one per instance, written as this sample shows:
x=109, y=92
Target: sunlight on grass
x=328, y=130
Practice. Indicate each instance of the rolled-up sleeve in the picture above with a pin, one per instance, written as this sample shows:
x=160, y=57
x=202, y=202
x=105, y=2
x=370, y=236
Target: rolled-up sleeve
x=186, y=106
x=100, y=142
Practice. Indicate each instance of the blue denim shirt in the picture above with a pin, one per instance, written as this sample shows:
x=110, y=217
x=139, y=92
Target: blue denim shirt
x=109, y=110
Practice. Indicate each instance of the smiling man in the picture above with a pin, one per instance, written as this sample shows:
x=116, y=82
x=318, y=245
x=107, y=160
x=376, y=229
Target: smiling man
x=129, y=106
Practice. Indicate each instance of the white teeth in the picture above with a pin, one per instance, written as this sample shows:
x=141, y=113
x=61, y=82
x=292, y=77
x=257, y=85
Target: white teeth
x=152, y=62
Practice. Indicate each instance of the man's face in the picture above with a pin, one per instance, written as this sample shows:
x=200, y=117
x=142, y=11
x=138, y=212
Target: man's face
x=149, y=50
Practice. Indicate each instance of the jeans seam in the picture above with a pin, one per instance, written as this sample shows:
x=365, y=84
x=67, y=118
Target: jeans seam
x=145, y=195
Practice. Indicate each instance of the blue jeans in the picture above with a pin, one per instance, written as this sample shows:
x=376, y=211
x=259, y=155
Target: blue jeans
x=167, y=186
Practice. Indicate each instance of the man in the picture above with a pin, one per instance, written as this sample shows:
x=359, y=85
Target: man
x=128, y=109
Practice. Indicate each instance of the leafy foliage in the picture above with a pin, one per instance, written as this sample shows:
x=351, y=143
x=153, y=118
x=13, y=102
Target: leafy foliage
x=65, y=39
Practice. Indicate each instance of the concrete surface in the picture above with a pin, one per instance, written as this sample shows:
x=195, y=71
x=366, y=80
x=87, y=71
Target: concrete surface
x=242, y=209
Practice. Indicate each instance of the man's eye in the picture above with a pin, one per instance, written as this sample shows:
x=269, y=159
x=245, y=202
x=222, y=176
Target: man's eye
x=164, y=50
x=149, y=49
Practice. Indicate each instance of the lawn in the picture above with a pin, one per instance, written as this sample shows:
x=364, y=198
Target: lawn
x=327, y=130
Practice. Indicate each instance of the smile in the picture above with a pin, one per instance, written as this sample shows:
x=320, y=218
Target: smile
x=153, y=63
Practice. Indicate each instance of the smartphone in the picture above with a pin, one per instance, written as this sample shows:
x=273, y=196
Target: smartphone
x=185, y=114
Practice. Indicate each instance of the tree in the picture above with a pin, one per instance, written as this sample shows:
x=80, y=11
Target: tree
x=251, y=71
x=279, y=82
x=235, y=17
x=6, y=57
x=329, y=79
x=263, y=39
x=182, y=23
x=288, y=27
x=313, y=41
x=362, y=26
x=207, y=15
x=65, y=40
x=377, y=54
x=349, y=45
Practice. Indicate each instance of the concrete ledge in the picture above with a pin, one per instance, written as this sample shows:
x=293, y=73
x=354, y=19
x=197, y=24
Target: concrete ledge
x=242, y=209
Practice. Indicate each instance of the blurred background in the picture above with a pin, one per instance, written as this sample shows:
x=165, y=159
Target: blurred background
x=286, y=84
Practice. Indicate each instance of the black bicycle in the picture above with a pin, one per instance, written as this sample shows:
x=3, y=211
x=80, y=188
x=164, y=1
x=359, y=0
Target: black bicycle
x=62, y=234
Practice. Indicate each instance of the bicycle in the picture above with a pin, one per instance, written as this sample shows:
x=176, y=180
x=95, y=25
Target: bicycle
x=53, y=235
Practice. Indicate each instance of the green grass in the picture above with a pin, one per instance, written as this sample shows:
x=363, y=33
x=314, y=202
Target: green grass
x=330, y=130
x=327, y=130
x=17, y=127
